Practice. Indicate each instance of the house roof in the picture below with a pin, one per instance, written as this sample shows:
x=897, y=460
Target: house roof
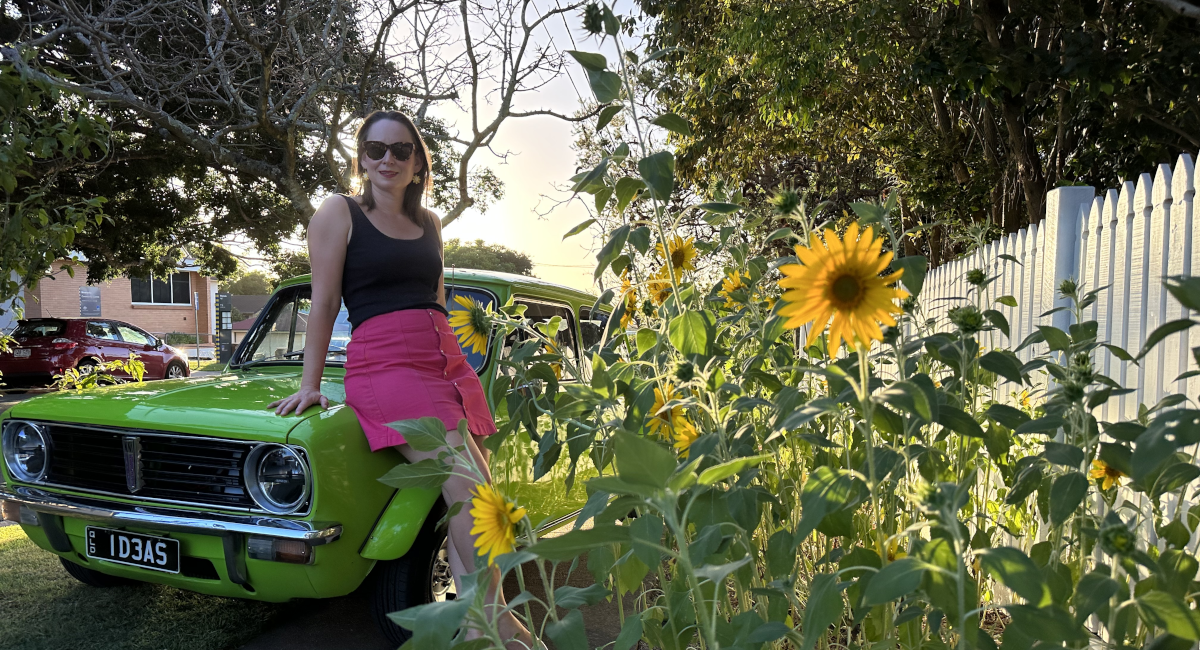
x=248, y=304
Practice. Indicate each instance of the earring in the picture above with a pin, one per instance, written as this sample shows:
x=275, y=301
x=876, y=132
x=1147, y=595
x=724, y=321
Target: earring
x=417, y=180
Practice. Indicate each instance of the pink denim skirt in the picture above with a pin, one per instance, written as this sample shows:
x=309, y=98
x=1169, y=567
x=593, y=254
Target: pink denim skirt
x=405, y=365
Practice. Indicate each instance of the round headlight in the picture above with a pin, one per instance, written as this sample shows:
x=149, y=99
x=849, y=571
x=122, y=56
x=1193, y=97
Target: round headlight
x=277, y=478
x=26, y=451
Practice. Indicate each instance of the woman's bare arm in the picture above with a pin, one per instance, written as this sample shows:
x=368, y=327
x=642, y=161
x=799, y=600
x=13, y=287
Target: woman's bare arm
x=327, y=235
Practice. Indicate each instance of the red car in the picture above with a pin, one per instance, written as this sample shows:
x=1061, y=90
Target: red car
x=47, y=346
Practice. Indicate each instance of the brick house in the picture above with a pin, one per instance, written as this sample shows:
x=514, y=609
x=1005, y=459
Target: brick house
x=159, y=306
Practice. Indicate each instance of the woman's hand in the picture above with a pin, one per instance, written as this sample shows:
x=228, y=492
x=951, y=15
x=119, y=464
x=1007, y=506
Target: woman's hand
x=304, y=398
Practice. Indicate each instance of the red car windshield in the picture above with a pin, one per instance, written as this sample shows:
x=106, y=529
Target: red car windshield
x=30, y=329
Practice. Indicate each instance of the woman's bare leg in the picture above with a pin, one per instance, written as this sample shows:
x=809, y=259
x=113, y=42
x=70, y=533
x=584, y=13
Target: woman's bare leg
x=461, y=546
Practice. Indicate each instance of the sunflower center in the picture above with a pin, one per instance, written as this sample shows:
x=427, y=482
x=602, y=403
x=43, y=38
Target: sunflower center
x=846, y=290
x=678, y=257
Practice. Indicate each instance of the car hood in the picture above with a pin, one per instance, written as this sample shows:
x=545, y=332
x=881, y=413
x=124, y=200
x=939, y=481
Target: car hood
x=232, y=405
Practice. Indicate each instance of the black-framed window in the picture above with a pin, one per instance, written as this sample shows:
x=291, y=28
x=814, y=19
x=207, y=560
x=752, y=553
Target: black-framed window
x=175, y=290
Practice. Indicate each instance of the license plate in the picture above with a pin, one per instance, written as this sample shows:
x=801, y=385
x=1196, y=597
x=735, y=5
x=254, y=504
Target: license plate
x=21, y=353
x=145, y=551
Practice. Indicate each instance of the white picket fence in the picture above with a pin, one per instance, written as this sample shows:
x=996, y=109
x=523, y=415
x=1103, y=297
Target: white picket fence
x=1128, y=239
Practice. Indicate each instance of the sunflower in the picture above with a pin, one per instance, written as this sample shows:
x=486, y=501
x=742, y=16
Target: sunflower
x=837, y=283
x=684, y=435
x=1101, y=470
x=665, y=423
x=495, y=522
x=682, y=252
x=630, y=300
x=730, y=283
x=552, y=348
x=659, y=285
x=472, y=324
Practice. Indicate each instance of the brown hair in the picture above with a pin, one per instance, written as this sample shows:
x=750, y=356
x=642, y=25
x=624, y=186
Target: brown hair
x=414, y=194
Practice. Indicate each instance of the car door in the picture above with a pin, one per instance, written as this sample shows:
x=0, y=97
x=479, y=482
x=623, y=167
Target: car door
x=143, y=345
x=105, y=340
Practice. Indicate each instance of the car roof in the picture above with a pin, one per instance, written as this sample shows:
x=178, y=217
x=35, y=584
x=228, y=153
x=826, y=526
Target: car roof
x=518, y=282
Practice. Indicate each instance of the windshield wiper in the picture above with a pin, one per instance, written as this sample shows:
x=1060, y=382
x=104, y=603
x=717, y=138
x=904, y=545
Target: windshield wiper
x=300, y=353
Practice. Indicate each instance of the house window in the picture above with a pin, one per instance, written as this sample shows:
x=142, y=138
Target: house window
x=176, y=290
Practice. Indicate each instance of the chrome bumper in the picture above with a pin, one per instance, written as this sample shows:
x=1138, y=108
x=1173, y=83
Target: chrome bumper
x=166, y=519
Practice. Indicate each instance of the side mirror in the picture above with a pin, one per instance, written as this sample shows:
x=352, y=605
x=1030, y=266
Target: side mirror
x=151, y=346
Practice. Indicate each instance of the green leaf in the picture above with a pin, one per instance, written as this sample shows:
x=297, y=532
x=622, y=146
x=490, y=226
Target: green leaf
x=591, y=178
x=1165, y=611
x=1055, y=338
x=1066, y=493
x=958, y=421
x=720, y=208
x=606, y=115
x=781, y=233
x=427, y=473
x=908, y=396
x=433, y=624
x=1119, y=353
x=568, y=597
x=576, y=542
x=642, y=461
x=1093, y=591
x=631, y=633
x=1165, y=434
x=1051, y=624
x=915, y=267
x=605, y=85
x=1124, y=431
x=1186, y=290
x=895, y=580
x=658, y=170
x=1007, y=416
x=1013, y=569
x=615, y=485
x=611, y=249
x=673, y=123
x=998, y=320
x=424, y=434
x=1003, y=363
x=727, y=469
x=568, y=632
x=823, y=608
x=1162, y=332
x=825, y=491
x=627, y=188
x=589, y=60
x=1174, y=477
x=1063, y=454
x=646, y=533
x=1046, y=424
x=578, y=229
x=693, y=332
x=1007, y=301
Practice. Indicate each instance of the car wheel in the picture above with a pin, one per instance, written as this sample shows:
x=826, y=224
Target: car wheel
x=421, y=576
x=175, y=370
x=87, y=366
x=93, y=578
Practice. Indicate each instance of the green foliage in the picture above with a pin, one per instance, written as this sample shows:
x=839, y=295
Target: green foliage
x=286, y=264
x=248, y=283
x=489, y=257
x=101, y=374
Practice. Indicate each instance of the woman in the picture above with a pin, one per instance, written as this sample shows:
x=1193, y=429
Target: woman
x=381, y=252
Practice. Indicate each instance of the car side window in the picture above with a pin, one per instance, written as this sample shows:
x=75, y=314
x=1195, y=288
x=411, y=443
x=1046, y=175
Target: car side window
x=102, y=330
x=130, y=335
x=542, y=312
x=591, y=327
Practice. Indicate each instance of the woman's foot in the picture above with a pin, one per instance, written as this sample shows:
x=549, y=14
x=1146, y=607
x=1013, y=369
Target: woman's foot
x=518, y=636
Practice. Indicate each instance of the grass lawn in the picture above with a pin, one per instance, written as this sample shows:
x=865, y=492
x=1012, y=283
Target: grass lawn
x=46, y=609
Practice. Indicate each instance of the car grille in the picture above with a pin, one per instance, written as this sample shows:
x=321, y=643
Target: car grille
x=189, y=469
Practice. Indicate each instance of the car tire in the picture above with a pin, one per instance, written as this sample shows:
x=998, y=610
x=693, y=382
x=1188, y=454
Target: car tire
x=410, y=580
x=93, y=578
x=87, y=366
x=175, y=370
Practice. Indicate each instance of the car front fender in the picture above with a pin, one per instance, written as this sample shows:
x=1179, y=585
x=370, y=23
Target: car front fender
x=399, y=524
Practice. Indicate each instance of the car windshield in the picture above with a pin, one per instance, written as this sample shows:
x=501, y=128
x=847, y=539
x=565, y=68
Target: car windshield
x=279, y=337
x=30, y=329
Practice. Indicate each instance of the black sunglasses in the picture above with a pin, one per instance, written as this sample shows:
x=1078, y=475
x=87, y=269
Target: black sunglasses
x=401, y=151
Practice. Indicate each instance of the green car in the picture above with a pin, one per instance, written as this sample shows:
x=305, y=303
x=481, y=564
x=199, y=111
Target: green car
x=196, y=484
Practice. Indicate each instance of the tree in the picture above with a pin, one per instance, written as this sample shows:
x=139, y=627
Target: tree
x=250, y=283
x=228, y=116
x=972, y=110
x=289, y=264
x=490, y=257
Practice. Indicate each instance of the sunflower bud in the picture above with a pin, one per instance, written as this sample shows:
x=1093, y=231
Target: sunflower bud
x=593, y=19
x=685, y=371
x=976, y=277
x=909, y=304
x=968, y=319
x=648, y=308
x=1117, y=539
x=786, y=202
x=1068, y=288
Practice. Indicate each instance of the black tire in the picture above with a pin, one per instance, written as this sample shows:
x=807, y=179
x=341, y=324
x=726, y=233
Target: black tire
x=93, y=578
x=175, y=370
x=408, y=581
x=87, y=366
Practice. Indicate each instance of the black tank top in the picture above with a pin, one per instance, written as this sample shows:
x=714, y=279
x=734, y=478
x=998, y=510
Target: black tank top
x=383, y=274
